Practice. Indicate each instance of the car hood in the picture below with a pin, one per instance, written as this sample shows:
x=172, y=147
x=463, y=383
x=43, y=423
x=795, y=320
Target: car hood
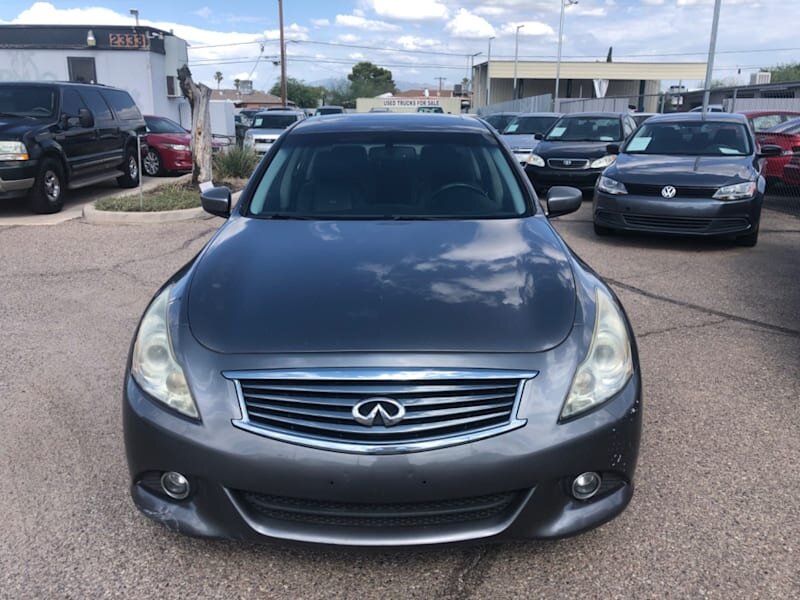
x=14, y=128
x=526, y=141
x=699, y=171
x=326, y=286
x=169, y=138
x=589, y=150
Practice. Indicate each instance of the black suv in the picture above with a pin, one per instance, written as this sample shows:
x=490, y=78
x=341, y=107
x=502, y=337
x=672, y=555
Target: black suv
x=56, y=136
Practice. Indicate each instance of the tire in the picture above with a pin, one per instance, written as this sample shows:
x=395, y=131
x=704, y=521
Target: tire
x=47, y=195
x=152, y=164
x=749, y=240
x=131, y=167
x=602, y=231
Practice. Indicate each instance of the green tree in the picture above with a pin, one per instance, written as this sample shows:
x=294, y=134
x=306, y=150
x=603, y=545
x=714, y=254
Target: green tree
x=787, y=72
x=303, y=95
x=368, y=80
x=218, y=78
x=340, y=94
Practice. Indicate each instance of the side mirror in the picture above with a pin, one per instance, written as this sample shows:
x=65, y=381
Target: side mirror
x=612, y=149
x=538, y=136
x=217, y=201
x=769, y=150
x=85, y=118
x=562, y=200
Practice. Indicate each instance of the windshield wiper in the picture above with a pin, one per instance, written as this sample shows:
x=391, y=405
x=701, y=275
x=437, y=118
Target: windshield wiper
x=289, y=217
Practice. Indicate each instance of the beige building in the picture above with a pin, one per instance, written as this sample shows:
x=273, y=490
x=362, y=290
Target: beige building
x=404, y=103
x=577, y=79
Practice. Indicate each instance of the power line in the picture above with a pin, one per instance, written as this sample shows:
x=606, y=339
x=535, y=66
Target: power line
x=341, y=61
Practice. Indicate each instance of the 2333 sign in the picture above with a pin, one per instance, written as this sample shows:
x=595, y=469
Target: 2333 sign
x=128, y=40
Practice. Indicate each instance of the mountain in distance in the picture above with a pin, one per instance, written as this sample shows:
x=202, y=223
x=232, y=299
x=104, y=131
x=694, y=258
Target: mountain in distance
x=401, y=85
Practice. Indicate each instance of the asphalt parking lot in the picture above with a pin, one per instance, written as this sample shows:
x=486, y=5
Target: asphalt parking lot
x=715, y=512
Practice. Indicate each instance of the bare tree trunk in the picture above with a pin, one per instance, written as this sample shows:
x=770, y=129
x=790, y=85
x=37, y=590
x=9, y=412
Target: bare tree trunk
x=199, y=96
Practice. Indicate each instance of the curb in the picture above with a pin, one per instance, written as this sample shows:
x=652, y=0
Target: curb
x=106, y=217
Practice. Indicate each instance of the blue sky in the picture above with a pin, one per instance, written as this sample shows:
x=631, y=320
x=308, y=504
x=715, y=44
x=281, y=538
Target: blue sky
x=432, y=38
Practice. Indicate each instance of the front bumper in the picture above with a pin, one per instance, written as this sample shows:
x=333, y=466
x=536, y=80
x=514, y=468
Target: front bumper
x=16, y=179
x=543, y=178
x=177, y=160
x=531, y=465
x=684, y=216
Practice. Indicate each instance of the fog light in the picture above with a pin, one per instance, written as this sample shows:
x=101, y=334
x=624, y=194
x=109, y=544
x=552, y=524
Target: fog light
x=175, y=485
x=586, y=485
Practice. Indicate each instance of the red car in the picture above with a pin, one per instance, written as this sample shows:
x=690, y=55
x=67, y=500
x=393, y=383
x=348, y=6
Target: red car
x=168, y=147
x=770, y=128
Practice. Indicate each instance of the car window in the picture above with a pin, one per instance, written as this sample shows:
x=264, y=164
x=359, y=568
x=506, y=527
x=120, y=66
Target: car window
x=692, y=138
x=790, y=126
x=28, y=100
x=529, y=125
x=328, y=111
x=273, y=121
x=163, y=125
x=499, y=122
x=381, y=175
x=123, y=104
x=586, y=129
x=96, y=104
x=71, y=103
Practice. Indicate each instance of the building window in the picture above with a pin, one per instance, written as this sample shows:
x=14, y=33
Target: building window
x=81, y=69
x=171, y=91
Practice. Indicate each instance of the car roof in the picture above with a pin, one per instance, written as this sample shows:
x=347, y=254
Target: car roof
x=617, y=115
x=390, y=122
x=540, y=114
x=282, y=111
x=98, y=86
x=759, y=113
x=698, y=116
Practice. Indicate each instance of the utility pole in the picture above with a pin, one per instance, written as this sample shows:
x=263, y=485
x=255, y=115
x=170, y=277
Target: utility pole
x=284, y=99
x=712, y=46
x=564, y=3
x=488, y=78
x=516, y=57
x=441, y=79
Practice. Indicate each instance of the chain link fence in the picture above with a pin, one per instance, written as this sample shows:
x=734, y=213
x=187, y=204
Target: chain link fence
x=770, y=112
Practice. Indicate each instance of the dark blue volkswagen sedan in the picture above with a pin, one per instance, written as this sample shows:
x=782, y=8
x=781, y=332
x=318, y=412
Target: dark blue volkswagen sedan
x=385, y=344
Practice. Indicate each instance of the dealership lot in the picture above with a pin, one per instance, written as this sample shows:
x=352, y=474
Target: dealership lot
x=715, y=513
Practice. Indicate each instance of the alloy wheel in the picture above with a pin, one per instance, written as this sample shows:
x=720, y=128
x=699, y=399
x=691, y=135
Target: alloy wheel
x=152, y=164
x=52, y=185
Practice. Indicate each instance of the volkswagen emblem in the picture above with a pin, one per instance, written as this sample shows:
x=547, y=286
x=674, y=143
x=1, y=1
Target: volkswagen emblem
x=378, y=411
x=668, y=191
x=567, y=163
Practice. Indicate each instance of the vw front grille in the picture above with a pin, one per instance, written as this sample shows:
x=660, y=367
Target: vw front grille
x=439, y=407
x=567, y=163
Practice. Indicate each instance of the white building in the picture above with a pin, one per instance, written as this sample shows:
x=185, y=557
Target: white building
x=142, y=60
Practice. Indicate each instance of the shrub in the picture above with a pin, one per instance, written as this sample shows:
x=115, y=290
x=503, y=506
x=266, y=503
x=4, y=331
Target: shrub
x=236, y=163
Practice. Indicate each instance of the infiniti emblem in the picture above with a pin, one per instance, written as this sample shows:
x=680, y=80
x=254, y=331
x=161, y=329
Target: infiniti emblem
x=668, y=191
x=381, y=411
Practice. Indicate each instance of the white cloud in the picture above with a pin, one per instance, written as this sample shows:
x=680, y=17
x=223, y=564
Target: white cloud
x=244, y=76
x=653, y=2
x=360, y=22
x=410, y=42
x=348, y=38
x=356, y=56
x=468, y=25
x=410, y=10
x=530, y=28
x=204, y=12
x=490, y=11
x=320, y=22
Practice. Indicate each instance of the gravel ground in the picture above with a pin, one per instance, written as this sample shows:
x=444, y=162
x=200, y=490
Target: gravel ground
x=719, y=334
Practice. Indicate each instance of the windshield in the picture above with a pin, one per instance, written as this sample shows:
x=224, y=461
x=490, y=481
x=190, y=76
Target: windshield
x=499, y=122
x=690, y=138
x=162, y=125
x=381, y=175
x=586, y=129
x=529, y=125
x=28, y=101
x=273, y=121
x=331, y=110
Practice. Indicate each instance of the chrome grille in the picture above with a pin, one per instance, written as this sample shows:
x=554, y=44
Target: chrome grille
x=442, y=408
x=567, y=163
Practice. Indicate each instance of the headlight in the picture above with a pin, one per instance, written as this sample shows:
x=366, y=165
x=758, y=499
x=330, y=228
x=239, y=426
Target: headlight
x=249, y=140
x=610, y=186
x=608, y=364
x=154, y=366
x=737, y=191
x=535, y=160
x=178, y=147
x=13, y=151
x=603, y=162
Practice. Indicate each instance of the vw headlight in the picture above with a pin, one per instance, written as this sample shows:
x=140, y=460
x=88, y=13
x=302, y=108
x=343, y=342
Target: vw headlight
x=609, y=363
x=249, y=140
x=611, y=186
x=154, y=366
x=603, y=162
x=535, y=160
x=13, y=151
x=178, y=147
x=737, y=191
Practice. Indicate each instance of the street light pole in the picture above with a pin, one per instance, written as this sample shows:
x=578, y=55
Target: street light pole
x=488, y=78
x=472, y=68
x=284, y=99
x=711, y=49
x=564, y=3
x=516, y=58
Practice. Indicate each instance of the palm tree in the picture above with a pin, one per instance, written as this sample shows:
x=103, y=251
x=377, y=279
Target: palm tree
x=236, y=84
x=218, y=78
